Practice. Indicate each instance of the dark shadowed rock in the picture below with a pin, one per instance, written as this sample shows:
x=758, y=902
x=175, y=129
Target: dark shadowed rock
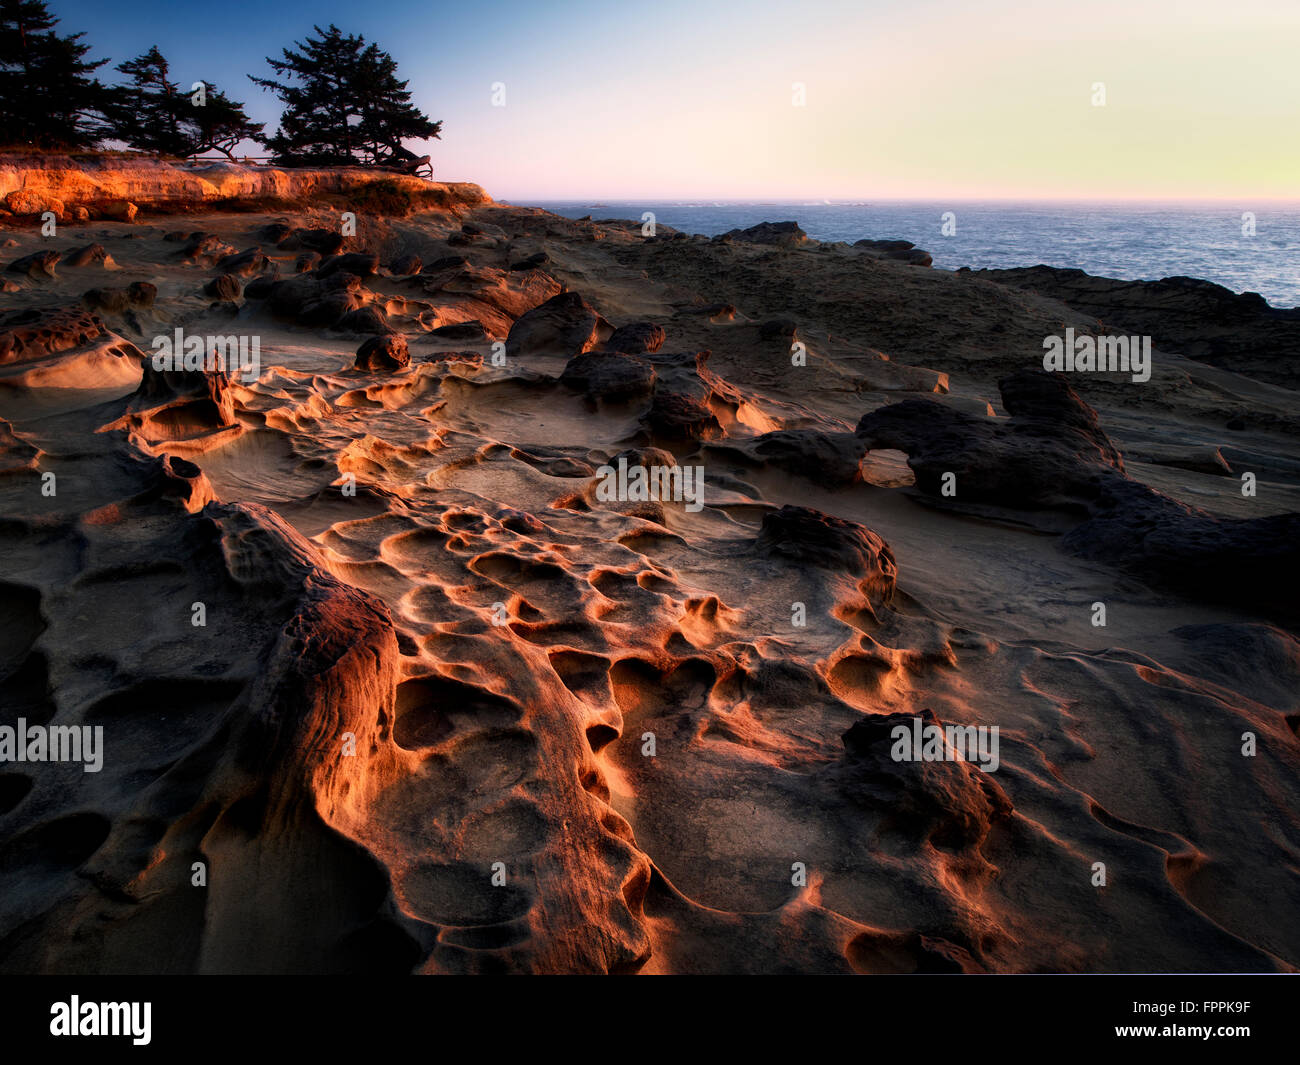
x=829, y=459
x=678, y=416
x=1253, y=562
x=312, y=302
x=609, y=375
x=636, y=337
x=274, y=232
x=205, y=249
x=245, y=263
x=330, y=309
x=260, y=287
x=565, y=324
x=367, y=319
x=383, y=354
x=1051, y=452
x=308, y=260
x=645, y=457
x=362, y=264
x=811, y=538
x=447, y=262
x=533, y=262
x=225, y=287
x=142, y=293
x=406, y=266
x=139, y=295
x=39, y=265
x=323, y=241
x=1198, y=319
x=778, y=329
x=900, y=250
x=950, y=802
x=786, y=234
x=90, y=255
x=885, y=245
x=472, y=330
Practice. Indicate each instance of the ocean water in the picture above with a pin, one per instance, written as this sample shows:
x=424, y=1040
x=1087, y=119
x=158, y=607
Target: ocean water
x=1129, y=241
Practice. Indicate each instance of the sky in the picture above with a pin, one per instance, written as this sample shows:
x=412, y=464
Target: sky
x=795, y=99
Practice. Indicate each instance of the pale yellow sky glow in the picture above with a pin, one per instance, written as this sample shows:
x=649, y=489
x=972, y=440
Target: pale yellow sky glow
x=920, y=100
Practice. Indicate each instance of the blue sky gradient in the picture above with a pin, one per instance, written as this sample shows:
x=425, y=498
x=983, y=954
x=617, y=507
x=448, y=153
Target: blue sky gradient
x=696, y=98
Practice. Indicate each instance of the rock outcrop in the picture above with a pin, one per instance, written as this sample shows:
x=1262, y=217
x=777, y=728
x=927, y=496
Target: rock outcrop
x=114, y=187
x=1199, y=319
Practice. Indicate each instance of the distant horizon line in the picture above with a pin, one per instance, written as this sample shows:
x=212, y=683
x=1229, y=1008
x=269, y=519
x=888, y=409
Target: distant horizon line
x=867, y=201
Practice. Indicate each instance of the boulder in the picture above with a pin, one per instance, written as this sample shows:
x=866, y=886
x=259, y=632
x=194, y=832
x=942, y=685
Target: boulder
x=260, y=287
x=28, y=202
x=472, y=330
x=324, y=241
x=533, y=262
x=447, y=262
x=807, y=537
x=245, y=263
x=225, y=287
x=39, y=265
x=899, y=250
x=636, y=337
x=139, y=295
x=383, y=354
x=678, y=416
x=406, y=266
x=205, y=249
x=366, y=319
x=362, y=264
x=609, y=375
x=565, y=324
x=1051, y=452
x=90, y=255
x=829, y=459
x=784, y=234
x=120, y=211
x=274, y=232
x=310, y=301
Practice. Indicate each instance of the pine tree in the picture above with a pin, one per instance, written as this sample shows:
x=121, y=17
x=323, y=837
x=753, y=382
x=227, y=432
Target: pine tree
x=48, y=97
x=344, y=104
x=219, y=124
x=153, y=115
x=147, y=113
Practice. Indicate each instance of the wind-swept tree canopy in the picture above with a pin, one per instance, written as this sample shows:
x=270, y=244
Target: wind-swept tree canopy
x=152, y=114
x=343, y=103
x=147, y=112
x=48, y=97
x=220, y=124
